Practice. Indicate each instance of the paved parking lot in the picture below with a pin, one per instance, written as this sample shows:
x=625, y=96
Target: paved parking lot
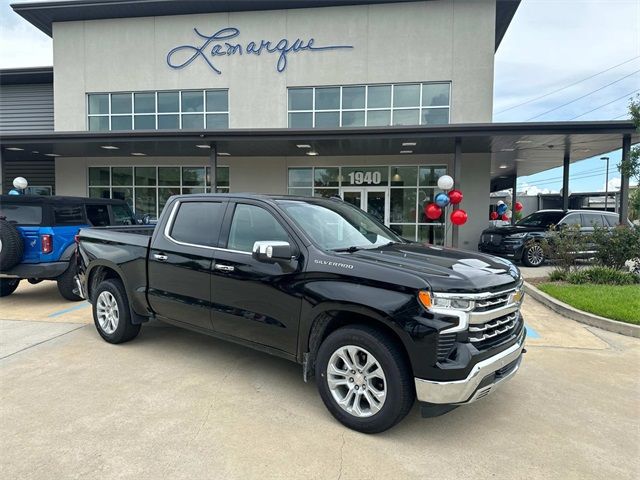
x=173, y=404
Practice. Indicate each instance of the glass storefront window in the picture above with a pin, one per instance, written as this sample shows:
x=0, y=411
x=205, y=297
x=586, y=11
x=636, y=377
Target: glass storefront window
x=406, y=190
x=158, y=110
x=369, y=105
x=147, y=188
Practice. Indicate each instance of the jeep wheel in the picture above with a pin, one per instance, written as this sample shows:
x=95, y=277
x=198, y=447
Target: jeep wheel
x=11, y=245
x=8, y=286
x=533, y=256
x=111, y=314
x=364, y=379
x=67, y=285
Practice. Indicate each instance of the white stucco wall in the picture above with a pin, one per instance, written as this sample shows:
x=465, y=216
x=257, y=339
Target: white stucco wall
x=439, y=40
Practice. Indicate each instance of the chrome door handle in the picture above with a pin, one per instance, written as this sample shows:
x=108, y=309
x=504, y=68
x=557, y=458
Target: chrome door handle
x=224, y=268
x=160, y=257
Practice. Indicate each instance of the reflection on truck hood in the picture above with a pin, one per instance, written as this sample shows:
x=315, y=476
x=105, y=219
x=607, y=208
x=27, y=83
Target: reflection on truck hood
x=445, y=269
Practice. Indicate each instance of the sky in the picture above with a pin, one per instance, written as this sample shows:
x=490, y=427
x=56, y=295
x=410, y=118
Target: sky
x=550, y=44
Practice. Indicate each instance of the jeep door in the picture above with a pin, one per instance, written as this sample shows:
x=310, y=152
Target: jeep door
x=254, y=300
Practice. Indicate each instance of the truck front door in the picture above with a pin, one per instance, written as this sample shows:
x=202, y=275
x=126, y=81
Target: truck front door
x=253, y=300
x=180, y=262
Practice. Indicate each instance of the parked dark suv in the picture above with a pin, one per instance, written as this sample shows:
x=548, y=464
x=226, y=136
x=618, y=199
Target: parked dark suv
x=513, y=242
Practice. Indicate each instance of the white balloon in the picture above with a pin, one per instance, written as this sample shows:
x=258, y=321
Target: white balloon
x=445, y=182
x=20, y=182
x=500, y=202
x=508, y=213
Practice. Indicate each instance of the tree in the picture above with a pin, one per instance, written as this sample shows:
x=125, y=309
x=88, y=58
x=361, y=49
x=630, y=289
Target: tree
x=631, y=168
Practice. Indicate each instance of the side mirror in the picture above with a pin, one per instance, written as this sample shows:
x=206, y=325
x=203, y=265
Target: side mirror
x=271, y=251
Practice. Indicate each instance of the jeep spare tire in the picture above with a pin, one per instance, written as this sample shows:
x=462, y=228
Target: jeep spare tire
x=11, y=246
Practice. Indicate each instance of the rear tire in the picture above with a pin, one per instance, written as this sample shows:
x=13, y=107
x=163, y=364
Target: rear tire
x=111, y=314
x=67, y=285
x=8, y=286
x=533, y=256
x=11, y=245
x=378, y=392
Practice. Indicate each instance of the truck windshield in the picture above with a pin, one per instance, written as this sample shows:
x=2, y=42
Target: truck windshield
x=541, y=219
x=122, y=215
x=337, y=225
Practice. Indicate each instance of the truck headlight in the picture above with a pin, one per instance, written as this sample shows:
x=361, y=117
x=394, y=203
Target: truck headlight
x=517, y=235
x=430, y=301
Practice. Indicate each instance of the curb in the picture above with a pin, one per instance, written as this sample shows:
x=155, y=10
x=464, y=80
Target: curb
x=628, y=329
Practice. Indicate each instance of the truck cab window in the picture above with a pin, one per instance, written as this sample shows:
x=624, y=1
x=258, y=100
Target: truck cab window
x=198, y=223
x=122, y=215
x=252, y=224
x=69, y=215
x=98, y=215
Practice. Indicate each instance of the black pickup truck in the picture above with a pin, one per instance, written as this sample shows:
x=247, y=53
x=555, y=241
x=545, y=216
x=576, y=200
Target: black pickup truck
x=377, y=320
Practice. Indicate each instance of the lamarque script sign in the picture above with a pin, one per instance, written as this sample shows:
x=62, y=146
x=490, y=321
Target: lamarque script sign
x=219, y=45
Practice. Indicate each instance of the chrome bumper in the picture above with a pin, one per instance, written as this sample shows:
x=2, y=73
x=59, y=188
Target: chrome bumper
x=467, y=391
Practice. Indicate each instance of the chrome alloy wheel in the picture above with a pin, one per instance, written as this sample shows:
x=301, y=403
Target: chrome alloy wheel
x=107, y=312
x=356, y=381
x=535, y=255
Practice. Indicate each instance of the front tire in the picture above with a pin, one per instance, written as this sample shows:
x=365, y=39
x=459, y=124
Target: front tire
x=8, y=286
x=364, y=379
x=533, y=255
x=67, y=285
x=111, y=314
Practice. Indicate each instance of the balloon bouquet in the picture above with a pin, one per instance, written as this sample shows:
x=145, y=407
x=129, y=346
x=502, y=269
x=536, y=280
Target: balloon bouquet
x=442, y=200
x=502, y=211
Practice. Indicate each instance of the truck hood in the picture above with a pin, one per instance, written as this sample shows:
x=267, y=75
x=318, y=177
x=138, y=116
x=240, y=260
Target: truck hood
x=444, y=269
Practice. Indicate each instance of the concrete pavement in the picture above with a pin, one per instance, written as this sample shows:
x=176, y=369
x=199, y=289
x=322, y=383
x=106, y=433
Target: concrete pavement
x=173, y=404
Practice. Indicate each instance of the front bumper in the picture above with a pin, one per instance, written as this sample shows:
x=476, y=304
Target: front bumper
x=36, y=270
x=508, y=249
x=481, y=381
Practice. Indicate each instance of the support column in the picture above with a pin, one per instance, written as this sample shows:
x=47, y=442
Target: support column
x=565, y=180
x=514, y=198
x=457, y=171
x=213, y=164
x=624, y=181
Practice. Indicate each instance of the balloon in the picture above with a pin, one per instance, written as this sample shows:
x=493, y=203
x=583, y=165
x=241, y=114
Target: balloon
x=502, y=209
x=442, y=199
x=500, y=202
x=20, y=182
x=433, y=211
x=14, y=192
x=455, y=197
x=493, y=215
x=505, y=218
x=508, y=213
x=459, y=217
x=445, y=182
x=518, y=207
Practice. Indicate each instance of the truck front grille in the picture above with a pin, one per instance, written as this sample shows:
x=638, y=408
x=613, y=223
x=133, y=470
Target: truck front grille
x=492, y=303
x=493, y=330
x=491, y=239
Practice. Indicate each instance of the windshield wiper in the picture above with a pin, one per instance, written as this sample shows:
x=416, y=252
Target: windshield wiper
x=350, y=249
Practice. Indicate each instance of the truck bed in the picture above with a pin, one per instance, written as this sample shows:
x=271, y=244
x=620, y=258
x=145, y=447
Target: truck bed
x=136, y=235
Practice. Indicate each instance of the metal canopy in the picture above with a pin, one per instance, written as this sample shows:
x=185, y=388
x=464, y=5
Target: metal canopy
x=43, y=14
x=516, y=148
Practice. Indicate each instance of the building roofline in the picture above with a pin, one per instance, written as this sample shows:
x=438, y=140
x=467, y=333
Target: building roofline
x=43, y=15
x=29, y=75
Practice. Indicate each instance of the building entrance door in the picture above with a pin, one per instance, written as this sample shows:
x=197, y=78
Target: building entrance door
x=373, y=200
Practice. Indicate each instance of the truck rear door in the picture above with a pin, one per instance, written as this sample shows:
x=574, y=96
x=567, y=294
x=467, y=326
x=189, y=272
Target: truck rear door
x=180, y=261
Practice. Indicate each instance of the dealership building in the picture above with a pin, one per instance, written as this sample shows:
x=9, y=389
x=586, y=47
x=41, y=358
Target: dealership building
x=368, y=100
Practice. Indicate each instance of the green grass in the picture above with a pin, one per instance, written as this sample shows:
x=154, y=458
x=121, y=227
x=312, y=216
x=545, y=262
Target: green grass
x=618, y=302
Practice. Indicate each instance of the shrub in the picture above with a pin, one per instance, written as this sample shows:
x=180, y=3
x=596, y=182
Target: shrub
x=560, y=245
x=616, y=246
x=558, y=276
x=602, y=275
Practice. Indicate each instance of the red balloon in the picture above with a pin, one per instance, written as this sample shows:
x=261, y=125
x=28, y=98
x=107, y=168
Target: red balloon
x=433, y=211
x=459, y=217
x=517, y=207
x=493, y=215
x=505, y=218
x=455, y=197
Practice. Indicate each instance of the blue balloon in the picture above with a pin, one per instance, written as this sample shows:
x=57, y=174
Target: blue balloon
x=442, y=199
x=14, y=192
x=502, y=209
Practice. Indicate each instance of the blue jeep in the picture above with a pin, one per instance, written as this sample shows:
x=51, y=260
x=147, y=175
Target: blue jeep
x=37, y=237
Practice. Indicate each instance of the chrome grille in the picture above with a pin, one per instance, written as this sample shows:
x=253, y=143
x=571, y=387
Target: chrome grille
x=491, y=238
x=493, y=329
x=491, y=303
